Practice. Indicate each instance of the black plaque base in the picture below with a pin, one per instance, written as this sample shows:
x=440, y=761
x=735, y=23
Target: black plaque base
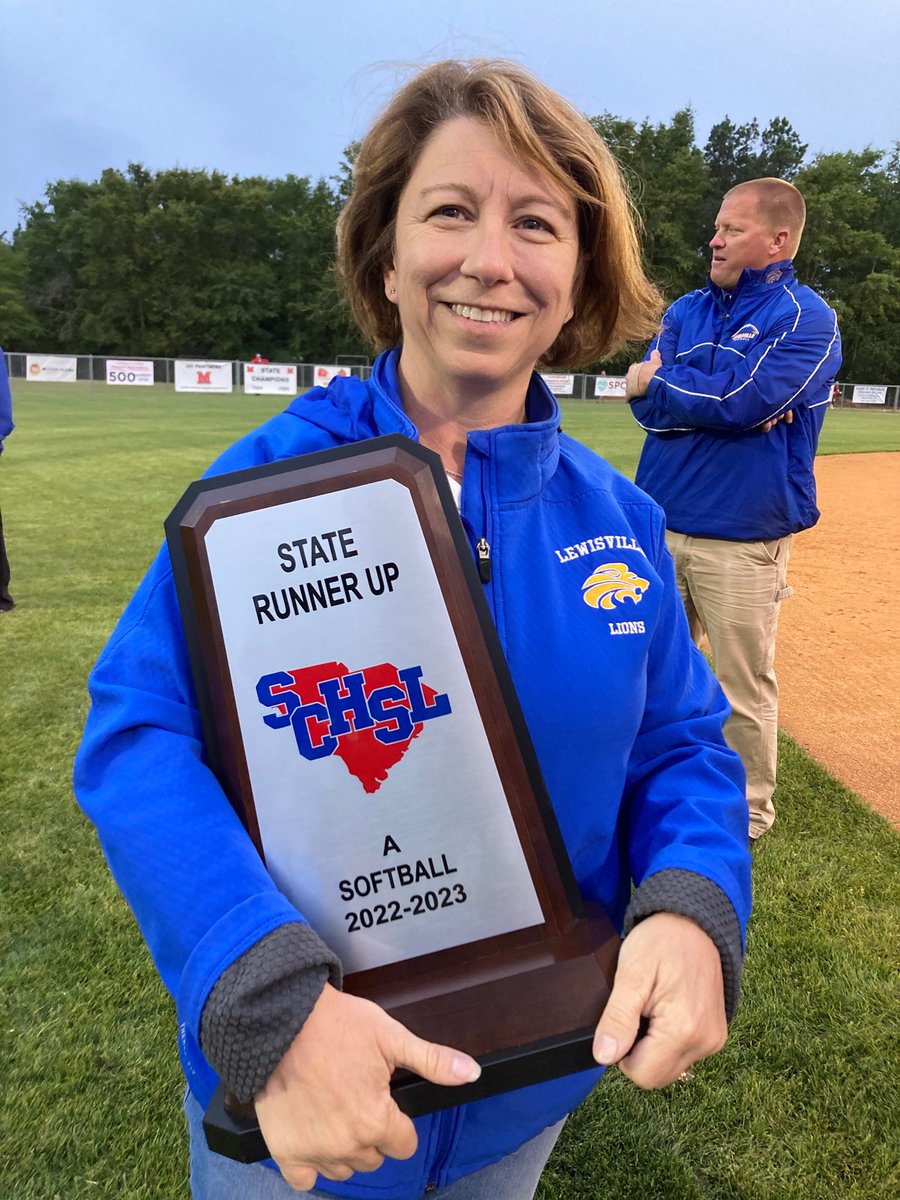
x=544, y=1007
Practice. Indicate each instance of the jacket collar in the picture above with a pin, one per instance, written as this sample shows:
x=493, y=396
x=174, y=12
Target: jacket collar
x=523, y=456
x=753, y=281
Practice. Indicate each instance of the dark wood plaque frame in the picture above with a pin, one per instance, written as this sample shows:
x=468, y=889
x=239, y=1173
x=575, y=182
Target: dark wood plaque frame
x=524, y=1003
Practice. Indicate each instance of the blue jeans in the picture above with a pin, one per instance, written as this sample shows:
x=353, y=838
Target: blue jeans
x=216, y=1178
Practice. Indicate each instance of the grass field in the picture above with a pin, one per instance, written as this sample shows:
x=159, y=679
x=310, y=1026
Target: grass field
x=804, y=1102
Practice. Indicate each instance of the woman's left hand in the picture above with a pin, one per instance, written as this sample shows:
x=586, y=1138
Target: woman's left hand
x=670, y=972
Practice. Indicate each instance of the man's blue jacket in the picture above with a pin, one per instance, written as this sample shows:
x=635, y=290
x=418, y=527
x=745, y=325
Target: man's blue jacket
x=732, y=361
x=6, y=421
x=625, y=716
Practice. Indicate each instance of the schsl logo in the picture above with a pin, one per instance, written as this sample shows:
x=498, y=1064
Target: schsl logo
x=367, y=717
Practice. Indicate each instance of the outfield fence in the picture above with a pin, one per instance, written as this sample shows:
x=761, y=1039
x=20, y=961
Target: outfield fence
x=296, y=377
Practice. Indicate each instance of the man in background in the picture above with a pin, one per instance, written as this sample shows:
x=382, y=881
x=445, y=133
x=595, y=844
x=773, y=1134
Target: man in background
x=732, y=396
x=6, y=427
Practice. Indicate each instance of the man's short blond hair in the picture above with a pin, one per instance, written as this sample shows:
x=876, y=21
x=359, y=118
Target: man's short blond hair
x=614, y=301
x=781, y=206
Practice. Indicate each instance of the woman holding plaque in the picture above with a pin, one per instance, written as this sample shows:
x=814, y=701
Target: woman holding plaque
x=488, y=231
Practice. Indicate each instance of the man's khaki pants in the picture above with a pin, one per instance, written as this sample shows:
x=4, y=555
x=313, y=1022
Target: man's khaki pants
x=732, y=592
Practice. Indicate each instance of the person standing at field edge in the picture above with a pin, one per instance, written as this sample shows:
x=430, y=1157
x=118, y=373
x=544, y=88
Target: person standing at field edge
x=732, y=395
x=6, y=427
x=487, y=230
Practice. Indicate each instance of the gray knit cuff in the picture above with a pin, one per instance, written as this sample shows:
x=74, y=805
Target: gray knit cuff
x=259, y=1005
x=691, y=895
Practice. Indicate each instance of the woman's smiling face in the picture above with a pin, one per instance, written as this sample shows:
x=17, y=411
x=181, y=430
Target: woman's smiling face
x=484, y=266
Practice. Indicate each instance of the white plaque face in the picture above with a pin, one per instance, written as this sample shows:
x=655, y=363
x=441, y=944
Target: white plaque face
x=380, y=809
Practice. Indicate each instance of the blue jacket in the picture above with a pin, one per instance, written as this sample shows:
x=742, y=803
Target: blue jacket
x=6, y=421
x=731, y=361
x=624, y=713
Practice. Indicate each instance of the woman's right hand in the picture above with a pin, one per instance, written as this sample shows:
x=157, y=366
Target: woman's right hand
x=327, y=1108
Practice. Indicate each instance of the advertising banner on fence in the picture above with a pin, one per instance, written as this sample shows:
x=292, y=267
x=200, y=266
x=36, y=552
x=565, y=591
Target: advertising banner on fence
x=280, y=378
x=323, y=373
x=559, y=385
x=193, y=376
x=134, y=372
x=50, y=368
x=610, y=387
x=868, y=393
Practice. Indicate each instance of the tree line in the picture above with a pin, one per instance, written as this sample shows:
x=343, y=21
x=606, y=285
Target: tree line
x=191, y=263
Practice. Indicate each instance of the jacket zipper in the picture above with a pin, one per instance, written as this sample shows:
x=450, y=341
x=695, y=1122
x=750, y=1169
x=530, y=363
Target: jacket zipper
x=483, y=546
x=483, y=550
x=446, y=1134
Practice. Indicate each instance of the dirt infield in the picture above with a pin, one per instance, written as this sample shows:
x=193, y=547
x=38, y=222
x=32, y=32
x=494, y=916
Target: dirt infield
x=838, y=656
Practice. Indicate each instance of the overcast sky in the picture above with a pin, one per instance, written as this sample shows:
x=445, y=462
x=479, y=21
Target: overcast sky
x=267, y=87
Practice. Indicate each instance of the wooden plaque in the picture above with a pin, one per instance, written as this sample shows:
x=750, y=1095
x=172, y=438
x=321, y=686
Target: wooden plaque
x=361, y=718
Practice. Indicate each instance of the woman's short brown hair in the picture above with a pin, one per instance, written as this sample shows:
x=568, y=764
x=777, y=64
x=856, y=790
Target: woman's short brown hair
x=615, y=303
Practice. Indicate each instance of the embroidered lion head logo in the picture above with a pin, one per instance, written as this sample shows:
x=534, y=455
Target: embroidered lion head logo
x=612, y=584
